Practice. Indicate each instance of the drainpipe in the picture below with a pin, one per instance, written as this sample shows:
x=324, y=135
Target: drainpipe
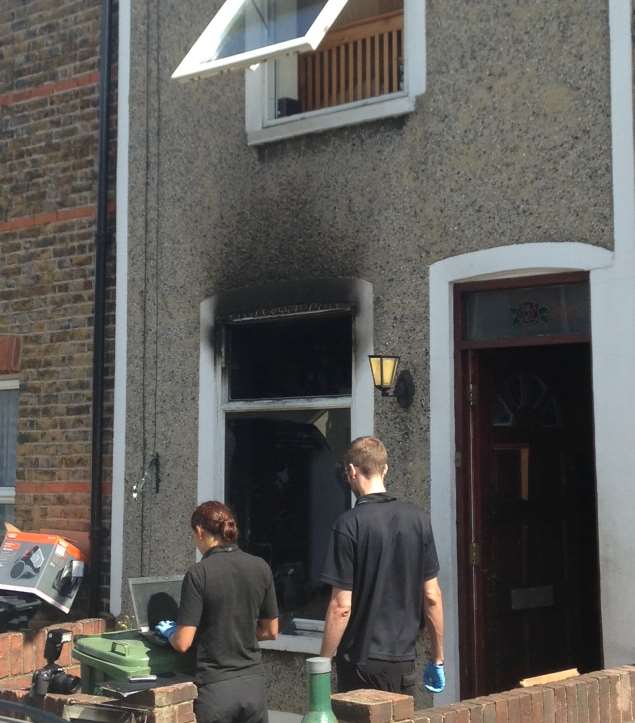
x=101, y=240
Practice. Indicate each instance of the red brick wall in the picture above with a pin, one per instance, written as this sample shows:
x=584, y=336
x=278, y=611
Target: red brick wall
x=606, y=696
x=167, y=704
x=22, y=653
x=49, y=126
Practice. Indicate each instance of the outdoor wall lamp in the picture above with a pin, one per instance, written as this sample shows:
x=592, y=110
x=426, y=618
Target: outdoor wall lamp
x=384, y=370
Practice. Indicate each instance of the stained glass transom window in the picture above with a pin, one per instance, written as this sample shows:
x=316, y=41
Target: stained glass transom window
x=550, y=310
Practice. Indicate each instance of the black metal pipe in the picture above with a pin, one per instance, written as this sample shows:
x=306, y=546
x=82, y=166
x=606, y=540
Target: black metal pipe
x=101, y=241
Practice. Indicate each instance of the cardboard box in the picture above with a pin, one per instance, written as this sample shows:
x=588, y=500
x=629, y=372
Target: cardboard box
x=45, y=565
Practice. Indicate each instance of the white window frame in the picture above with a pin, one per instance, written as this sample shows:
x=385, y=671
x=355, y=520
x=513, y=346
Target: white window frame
x=7, y=494
x=197, y=65
x=260, y=129
x=214, y=407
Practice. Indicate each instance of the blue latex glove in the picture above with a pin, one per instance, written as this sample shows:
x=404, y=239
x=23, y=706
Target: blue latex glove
x=434, y=677
x=166, y=628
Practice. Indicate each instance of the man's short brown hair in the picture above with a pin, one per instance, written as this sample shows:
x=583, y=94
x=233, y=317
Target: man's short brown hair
x=368, y=454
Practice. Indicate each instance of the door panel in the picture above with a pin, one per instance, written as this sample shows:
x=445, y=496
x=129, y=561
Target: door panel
x=532, y=496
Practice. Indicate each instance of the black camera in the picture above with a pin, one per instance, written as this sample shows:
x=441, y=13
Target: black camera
x=52, y=678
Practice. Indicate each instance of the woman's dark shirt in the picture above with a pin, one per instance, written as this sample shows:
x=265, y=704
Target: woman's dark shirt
x=224, y=595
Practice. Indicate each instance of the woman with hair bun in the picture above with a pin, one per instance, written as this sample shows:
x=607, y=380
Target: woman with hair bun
x=228, y=604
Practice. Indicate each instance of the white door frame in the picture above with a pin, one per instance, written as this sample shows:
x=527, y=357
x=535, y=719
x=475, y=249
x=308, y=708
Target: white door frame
x=612, y=282
x=502, y=262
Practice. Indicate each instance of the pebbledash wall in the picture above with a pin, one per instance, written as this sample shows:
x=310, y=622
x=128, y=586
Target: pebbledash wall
x=517, y=159
x=49, y=124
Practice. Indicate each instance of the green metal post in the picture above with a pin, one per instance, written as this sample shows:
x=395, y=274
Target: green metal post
x=318, y=672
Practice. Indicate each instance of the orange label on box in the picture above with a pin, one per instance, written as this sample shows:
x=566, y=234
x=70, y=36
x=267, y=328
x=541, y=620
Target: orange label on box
x=40, y=538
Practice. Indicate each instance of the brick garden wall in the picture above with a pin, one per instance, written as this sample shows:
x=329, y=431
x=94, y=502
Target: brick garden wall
x=22, y=653
x=168, y=704
x=606, y=696
x=49, y=60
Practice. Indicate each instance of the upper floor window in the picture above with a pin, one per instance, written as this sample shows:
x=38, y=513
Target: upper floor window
x=246, y=32
x=360, y=58
x=330, y=62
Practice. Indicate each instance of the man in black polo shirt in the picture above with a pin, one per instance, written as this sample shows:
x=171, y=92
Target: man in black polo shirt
x=382, y=566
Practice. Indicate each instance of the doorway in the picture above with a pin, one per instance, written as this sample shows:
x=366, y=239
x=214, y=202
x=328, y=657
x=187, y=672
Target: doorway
x=528, y=549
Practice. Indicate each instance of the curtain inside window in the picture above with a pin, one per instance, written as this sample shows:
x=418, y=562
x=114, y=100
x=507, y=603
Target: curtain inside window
x=8, y=436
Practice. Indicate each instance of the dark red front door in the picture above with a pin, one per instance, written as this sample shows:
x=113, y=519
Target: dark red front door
x=532, y=507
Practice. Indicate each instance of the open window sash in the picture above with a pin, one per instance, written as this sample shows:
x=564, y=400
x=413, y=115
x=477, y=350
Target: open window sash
x=246, y=32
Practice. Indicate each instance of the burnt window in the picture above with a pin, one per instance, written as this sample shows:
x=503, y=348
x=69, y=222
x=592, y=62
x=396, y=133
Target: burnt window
x=309, y=357
x=283, y=488
x=287, y=424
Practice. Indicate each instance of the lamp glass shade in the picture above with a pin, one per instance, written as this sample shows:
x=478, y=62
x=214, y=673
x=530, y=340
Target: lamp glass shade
x=384, y=370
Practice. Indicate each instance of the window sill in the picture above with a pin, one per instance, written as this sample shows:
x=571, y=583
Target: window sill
x=294, y=644
x=278, y=716
x=318, y=121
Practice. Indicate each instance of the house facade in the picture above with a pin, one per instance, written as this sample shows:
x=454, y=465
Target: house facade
x=444, y=181
x=56, y=259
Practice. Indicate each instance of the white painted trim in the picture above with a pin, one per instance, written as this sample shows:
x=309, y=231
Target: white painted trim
x=522, y=259
x=211, y=455
x=262, y=130
x=286, y=405
x=200, y=61
x=415, y=47
x=390, y=100
x=278, y=716
x=363, y=399
x=613, y=312
x=7, y=385
x=121, y=312
x=361, y=112
x=622, y=127
x=294, y=644
x=197, y=68
x=328, y=15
